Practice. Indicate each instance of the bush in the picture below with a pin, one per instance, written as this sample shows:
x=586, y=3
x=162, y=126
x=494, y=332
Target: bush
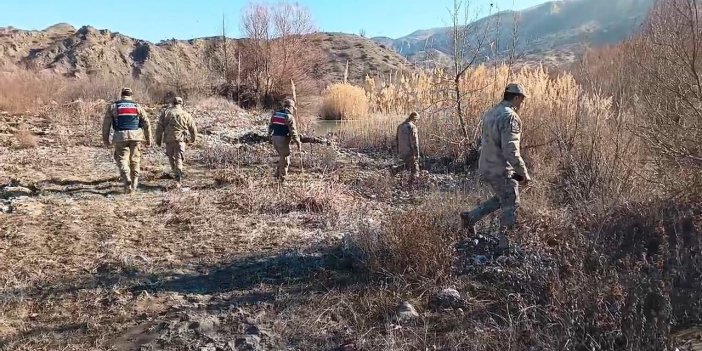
x=26, y=139
x=416, y=245
x=344, y=102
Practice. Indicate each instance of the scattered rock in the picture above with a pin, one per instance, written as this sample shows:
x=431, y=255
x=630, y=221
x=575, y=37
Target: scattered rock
x=205, y=324
x=347, y=347
x=480, y=260
x=15, y=191
x=406, y=312
x=447, y=299
x=246, y=343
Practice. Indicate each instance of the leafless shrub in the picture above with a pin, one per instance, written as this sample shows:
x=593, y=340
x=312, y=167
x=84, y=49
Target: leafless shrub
x=669, y=58
x=416, y=245
x=277, y=50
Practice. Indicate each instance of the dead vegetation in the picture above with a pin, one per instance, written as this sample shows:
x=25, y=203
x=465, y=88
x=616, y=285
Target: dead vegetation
x=609, y=235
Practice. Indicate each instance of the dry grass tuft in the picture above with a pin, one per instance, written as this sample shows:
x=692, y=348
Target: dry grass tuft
x=416, y=245
x=26, y=139
x=216, y=103
x=344, y=102
x=231, y=176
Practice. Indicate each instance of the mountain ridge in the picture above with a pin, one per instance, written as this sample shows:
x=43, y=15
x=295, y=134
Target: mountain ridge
x=87, y=51
x=562, y=26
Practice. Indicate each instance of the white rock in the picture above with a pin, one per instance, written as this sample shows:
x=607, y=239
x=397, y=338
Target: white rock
x=406, y=312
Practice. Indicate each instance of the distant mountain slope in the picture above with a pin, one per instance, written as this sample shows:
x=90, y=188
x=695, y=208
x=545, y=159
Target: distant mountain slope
x=84, y=52
x=553, y=28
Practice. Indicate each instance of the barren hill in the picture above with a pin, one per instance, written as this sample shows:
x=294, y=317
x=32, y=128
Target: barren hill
x=364, y=57
x=553, y=30
x=87, y=51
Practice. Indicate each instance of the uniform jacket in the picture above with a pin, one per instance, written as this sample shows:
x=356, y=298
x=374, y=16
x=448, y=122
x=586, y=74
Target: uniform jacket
x=501, y=134
x=407, y=140
x=175, y=124
x=142, y=133
x=283, y=124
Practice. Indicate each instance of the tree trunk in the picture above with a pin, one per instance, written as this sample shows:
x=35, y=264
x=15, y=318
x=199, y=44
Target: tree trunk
x=459, y=107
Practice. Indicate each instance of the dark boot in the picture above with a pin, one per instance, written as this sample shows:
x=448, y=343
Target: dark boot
x=468, y=221
x=179, y=180
x=126, y=183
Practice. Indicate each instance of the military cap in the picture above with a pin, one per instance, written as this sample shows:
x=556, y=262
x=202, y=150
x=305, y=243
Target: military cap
x=516, y=89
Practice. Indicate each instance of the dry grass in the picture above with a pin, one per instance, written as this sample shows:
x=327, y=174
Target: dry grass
x=26, y=139
x=572, y=138
x=607, y=264
x=416, y=244
x=216, y=103
x=344, y=102
x=25, y=91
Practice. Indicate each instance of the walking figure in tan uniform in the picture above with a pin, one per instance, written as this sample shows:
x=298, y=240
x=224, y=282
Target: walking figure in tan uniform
x=408, y=147
x=282, y=131
x=176, y=128
x=131, y=128
x=501, y=164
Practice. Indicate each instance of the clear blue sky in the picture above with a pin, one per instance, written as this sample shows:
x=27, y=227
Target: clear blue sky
x=185, y=19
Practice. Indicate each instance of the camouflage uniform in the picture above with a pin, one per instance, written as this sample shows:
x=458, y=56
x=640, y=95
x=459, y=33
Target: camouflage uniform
x=282, y=131
x=501, y=163
x=175, y=127
x=127, y=136
x=408, y=147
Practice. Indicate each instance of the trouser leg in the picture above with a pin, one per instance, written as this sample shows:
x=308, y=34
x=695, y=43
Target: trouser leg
x=122, y=159
x=135, y=162
x=282, y=147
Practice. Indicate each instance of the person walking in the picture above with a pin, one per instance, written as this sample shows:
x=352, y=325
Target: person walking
x=501, y=164
x=408, y=147
x=283, y=130
x=176, y=128
x=132, y=128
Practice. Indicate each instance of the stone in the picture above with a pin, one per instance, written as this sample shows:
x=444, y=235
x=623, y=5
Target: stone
x=447, y=299
x=15, y=191
x=5, y=206
x=480, y=260
x=406, y=312
x=205, y=324
x=246, y=343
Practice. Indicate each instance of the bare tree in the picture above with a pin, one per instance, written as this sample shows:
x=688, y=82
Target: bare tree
x=278, y=47
x=470, y=42
x=669, y=58
x=256, y=24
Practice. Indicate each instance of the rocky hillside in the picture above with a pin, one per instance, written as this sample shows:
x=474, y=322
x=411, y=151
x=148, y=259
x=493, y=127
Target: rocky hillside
x=551, y=31
x=87, y=51
x=365, y=57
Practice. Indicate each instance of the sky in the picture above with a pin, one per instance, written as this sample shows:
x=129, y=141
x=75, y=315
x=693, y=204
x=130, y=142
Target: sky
x=155, y=20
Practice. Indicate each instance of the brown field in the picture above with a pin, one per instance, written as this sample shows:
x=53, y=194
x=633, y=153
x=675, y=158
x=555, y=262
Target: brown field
x=609, y=235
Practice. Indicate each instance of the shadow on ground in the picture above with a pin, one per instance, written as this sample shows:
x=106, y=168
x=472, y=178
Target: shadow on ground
x=244, y=283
